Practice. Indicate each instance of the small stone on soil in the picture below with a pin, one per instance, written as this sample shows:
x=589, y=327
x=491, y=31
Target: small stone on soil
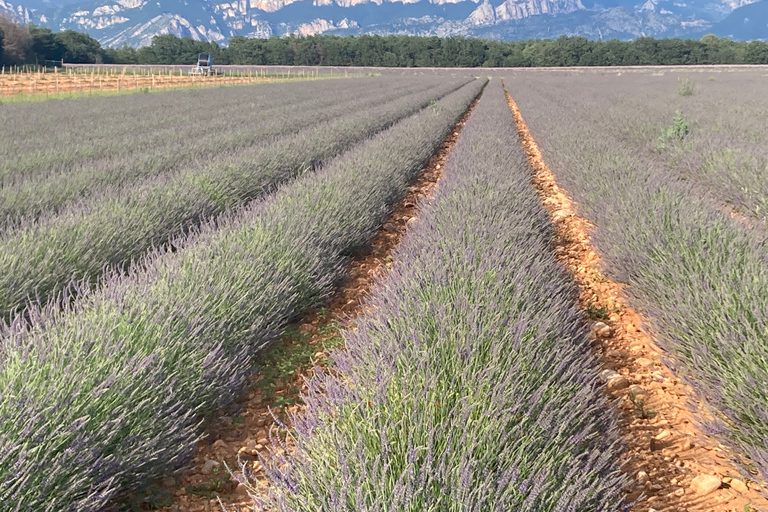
x=605, y=332
x=617, y=382
x=613, y=380
x=208, y=467
x=307, y=328
x=705, y=484
x=738, y=485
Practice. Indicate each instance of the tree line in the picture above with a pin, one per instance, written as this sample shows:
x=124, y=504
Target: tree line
x=30, y=44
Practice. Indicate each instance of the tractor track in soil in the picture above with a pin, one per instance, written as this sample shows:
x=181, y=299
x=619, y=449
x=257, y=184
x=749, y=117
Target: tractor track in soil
x=198, y=488
x=665, y=451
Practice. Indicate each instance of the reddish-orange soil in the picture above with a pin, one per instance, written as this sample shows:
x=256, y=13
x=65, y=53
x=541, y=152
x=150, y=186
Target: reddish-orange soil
x=248, y=434
x=667, y=456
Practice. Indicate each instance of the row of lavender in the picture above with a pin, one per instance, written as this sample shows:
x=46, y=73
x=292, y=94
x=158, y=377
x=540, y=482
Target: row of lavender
x=100, y=398
x=470, y=384
x=92, y=168
x=53, y=134
x=698, y=274
x=38, y=259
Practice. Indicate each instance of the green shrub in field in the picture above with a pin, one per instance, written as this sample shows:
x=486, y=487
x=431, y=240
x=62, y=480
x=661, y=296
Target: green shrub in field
x=675, y=133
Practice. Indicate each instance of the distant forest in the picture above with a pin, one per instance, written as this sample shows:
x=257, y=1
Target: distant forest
x=31, y=44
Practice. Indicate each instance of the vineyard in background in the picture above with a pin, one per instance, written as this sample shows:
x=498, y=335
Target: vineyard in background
x=70, y=80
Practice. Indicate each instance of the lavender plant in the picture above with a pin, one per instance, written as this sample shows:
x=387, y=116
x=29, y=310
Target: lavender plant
x=102, y=397
x=194, y=145
x=38, y=259
x=39, y=138
x=469, y=385
x=698, y=274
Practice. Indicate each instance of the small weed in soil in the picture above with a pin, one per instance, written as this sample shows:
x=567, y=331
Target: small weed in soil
x=597, y=312
x=565, y=238
x=208, y=489
x=151, y=498
x=640, y=407
x=295, y=352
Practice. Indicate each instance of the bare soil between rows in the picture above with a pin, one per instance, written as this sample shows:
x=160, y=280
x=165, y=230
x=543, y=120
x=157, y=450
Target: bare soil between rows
x=246, y=435
x=658, y=413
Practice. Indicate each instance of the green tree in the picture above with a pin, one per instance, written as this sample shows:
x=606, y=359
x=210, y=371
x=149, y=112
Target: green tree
x=79, y=48
x=45, y=45
x=16, y=42
x=756, y=52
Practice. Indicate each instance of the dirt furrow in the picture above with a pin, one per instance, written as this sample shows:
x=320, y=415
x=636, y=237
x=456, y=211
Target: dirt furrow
x=275, y=390
x=674, y=466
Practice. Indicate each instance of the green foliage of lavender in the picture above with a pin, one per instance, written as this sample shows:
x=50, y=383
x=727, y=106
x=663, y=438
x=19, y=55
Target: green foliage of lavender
x=699, y=275
x=469, y=385
x=42, y=182
x=38, y=259
x=101, y=398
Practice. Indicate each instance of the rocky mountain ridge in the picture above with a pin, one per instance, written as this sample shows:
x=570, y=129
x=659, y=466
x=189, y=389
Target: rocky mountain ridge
x=135, y=22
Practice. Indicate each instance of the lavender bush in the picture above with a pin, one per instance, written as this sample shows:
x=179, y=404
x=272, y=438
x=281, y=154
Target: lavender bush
x=100, y=398
x=469, y=385
x=37, y=259
x=42, y=138
x=699, y=275
x=163, y=149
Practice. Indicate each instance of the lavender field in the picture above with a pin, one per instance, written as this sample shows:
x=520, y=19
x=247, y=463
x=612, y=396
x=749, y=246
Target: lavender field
x=672, y=172
x=150, y=255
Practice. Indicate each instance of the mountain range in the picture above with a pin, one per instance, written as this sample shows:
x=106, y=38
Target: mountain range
x=134, y=22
